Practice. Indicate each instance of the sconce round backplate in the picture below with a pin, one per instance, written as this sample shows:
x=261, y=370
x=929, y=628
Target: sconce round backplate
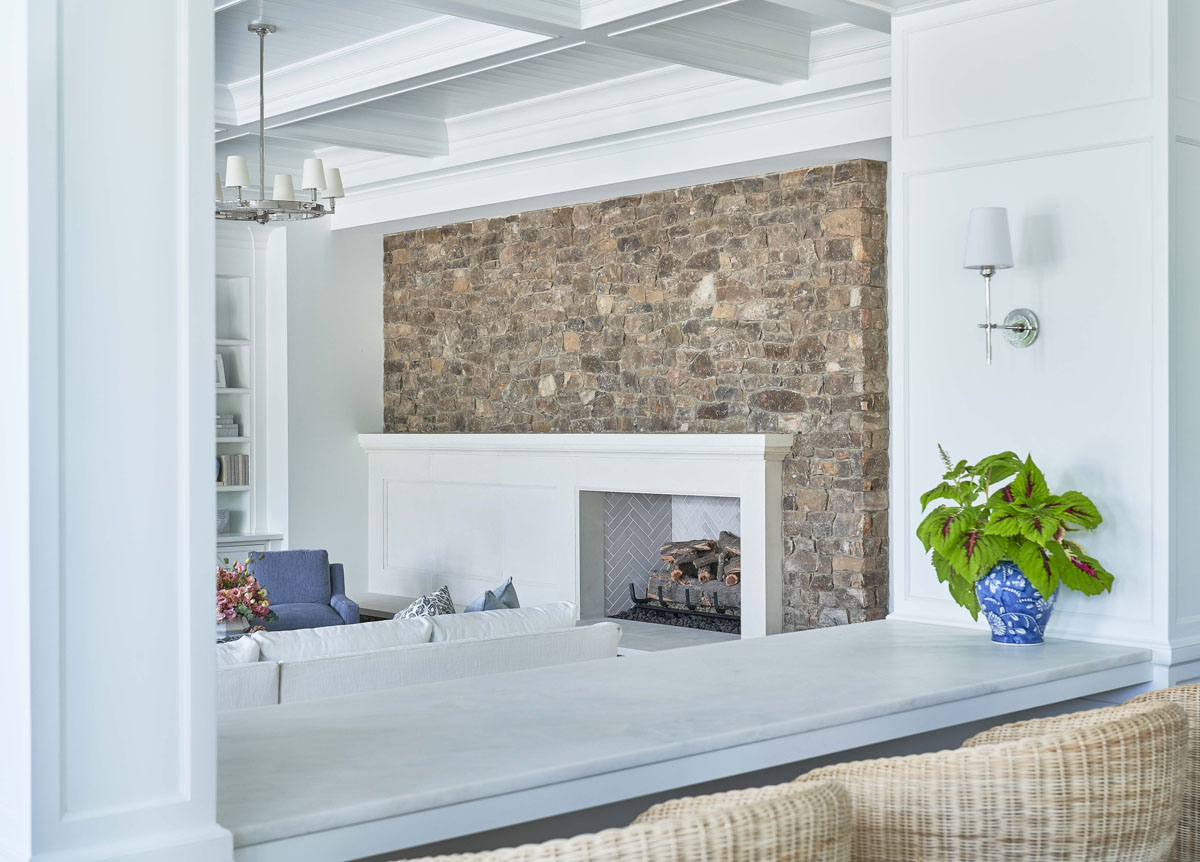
x=1023, y=329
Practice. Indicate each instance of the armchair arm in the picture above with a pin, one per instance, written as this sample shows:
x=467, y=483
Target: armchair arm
x=339, y=601
x=346, y=607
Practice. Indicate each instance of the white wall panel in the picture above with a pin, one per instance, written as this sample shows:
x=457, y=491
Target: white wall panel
x=1185, y=383
x=334, y=287
x=1078, y=399
x=1057, y=110
x=1023, y=60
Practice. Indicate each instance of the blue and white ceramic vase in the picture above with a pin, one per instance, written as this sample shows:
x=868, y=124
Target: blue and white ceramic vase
x=1014, y=608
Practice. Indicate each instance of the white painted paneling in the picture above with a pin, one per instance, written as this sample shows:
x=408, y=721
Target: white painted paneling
x=1078, y=399
x=334, y=284
x=116, y=523
x=1185, y=382
x=1023, y=60
x=1185, y=68
x=470, y=537
x=989, y=110
x=98, y=454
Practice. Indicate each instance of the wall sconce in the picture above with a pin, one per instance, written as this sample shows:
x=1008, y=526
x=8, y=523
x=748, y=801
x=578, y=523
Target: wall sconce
x=989, y=248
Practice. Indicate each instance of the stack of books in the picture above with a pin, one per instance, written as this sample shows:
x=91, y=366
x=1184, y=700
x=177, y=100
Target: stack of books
x=226, y=426
x=235, y=470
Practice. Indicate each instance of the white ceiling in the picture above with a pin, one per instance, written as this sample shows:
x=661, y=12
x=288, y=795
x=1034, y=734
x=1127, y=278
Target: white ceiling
x=394, y=87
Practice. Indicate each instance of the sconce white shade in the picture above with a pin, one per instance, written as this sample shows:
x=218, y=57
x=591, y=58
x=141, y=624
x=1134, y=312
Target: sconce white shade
x=333, y=183
x=988, y=240
x=284, y=191
x=220, y=194
x=236, y=172
x=314, y=175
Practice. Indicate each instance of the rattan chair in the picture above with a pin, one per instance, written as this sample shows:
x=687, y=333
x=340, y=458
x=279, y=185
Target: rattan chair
x=1104, y=789
x=797, y=824
x=1187, y=842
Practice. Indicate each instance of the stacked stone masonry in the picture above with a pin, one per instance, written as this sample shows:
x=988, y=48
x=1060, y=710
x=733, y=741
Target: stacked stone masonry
x=752, y=305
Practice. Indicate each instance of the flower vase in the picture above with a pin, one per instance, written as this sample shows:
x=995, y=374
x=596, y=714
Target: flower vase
x=1013, y=607
x=230, y=628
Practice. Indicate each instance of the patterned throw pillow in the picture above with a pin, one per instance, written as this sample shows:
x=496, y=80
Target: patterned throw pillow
x=504, y=596
x=429, y=605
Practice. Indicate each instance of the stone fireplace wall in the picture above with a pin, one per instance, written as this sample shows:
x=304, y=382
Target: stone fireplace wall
x=751, y=305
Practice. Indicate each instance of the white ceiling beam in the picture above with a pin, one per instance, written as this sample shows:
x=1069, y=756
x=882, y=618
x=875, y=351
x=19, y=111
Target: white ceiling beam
x=547, y=17
x=219, y=5
x=407, y=136
x=771, y=47
x=405, y=85
x=862, y=13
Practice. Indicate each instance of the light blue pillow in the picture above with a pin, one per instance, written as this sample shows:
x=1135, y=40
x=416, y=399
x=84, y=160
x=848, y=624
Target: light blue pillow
x=486, y=602
x=507, y=594
x=504, y=596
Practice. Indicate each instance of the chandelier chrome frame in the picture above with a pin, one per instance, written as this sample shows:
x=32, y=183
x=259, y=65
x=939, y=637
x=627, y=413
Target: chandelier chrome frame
x=266, y=209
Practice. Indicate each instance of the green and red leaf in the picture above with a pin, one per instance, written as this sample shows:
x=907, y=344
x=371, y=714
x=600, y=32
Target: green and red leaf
x=975, y=553
x=1030, y=485
x=996, y=468
x=1034, y=563
x=1084, y=573
x=963, y=592
x=1077, y=509
x=946, y=491
x=945, y=572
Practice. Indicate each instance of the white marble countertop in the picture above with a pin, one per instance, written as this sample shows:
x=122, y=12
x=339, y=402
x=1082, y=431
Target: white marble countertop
x=332, y=763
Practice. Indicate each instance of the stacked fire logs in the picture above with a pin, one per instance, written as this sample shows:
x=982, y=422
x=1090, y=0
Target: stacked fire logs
x=705, y=560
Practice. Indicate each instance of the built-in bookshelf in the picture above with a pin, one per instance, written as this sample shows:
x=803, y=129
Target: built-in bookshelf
x=251, y=404
x=235, y=402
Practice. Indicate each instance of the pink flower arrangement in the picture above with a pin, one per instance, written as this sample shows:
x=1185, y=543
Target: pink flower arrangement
x=239, y=594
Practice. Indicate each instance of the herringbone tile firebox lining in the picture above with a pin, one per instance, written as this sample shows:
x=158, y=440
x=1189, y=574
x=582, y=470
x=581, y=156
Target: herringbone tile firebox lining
x=636, y=525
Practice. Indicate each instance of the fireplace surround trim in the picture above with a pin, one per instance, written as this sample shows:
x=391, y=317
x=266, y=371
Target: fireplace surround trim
x=547, y=484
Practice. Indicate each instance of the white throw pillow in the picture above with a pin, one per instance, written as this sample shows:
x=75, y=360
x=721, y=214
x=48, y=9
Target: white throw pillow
x=510, y=621
x=240, y=651
x=335, y=640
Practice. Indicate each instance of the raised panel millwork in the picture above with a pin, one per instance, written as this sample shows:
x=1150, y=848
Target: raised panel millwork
x=1083, y=248
x=1056, y=56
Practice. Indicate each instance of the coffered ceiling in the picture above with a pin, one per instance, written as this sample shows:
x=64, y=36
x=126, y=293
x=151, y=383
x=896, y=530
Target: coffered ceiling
x=398, y=88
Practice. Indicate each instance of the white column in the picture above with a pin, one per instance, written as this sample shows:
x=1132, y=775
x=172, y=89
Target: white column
x=107, y=740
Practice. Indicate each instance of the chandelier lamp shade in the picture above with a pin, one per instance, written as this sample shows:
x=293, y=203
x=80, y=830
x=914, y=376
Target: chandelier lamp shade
x=317, y=180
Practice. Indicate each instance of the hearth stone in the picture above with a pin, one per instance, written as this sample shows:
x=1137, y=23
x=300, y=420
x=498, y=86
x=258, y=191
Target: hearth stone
x=725, y=625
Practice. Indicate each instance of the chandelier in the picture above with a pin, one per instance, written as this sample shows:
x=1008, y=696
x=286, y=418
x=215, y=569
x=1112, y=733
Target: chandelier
x=282, y=205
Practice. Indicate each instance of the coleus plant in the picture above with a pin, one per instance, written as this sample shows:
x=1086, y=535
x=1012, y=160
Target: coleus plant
x=1020, y=520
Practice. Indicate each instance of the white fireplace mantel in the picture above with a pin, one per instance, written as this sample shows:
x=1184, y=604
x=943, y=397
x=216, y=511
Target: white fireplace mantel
x=469, y=510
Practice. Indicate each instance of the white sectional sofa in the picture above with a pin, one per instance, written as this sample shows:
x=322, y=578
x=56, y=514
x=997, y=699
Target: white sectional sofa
x=284, y=667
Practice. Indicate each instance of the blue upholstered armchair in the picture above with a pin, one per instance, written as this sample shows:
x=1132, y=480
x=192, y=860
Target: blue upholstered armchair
x=305, y=589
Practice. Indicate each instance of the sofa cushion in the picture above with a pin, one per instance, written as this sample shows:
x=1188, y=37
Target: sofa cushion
x=247, y=685
x=302, y=615
x=336, y=640
x=540, y=618
x=335, y=676
x=294, y=577
x=429, y=605
x=244, y=650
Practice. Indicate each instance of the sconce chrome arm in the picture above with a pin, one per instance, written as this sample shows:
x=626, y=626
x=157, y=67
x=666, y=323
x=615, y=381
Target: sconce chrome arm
x=1020, y=325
